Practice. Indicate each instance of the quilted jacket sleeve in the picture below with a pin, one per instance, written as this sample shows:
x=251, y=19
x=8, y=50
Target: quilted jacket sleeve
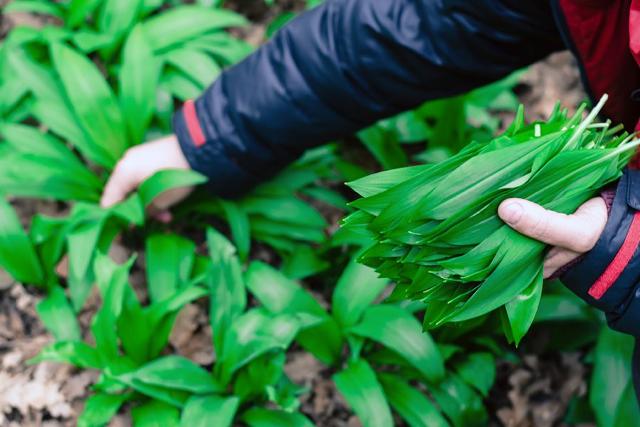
x=344, y=65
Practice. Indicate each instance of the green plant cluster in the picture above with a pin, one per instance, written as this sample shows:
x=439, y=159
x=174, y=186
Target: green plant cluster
x=104, y=75
x=380, y=355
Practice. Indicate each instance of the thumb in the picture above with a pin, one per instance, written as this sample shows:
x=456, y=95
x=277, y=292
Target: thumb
x=578, y=232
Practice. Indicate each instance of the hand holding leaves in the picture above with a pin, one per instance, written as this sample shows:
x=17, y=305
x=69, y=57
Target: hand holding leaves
x=141, y=162
x=570, y=235
x=439, y=234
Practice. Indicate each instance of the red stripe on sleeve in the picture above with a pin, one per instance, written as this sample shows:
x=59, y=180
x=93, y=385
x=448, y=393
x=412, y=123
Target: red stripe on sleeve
x=620, y=261
x=193, y=124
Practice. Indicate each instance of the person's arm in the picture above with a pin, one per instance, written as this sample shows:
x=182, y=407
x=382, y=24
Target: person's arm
x=608, y=277
x=342, y=66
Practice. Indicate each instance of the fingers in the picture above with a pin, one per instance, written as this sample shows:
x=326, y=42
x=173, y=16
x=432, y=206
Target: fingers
x=578, y=232
x=123, y=180
x=556, y=259
x=170, y=197
x=164, y=217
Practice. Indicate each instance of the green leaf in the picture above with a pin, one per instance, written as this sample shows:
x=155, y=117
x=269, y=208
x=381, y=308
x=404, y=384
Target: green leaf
x=179, y=85
x=166, y=180
x=384, y=147
x=361, y=389
x=17, y=254
x=155, y=414
x=164, y=107
x=130, y=210
x=39, y=79
x=56, y=314
x=462, y=405
x=21, y=35
x=79, y=10
x=399, y=331
x=197, y=65
x=100, y=408
x=328, y=196
x=226, y=48
x=357, y=288
x=170, y=396
x=479, y=370
x=450, y=123
x=117, y=17
x=40, y=147
x=287, y=209
x=133, y=329
x=228, y=296
x=278, y=294
x=75, y=353
x=93, y=103
x=408, y=127
x=324, y=341
x=285, y=394
x=82, y=243
x=90, y=41
x=112, y=281
x=611, y=376
x=144, y=332
x=522, y=310
x=183, y=23
x=259, y=417
x=252, y=335
x=187, y=294
x=240, y=229
x=208, y=411
x=173, y=372
x=561, y=308
x=51, y=107
x=303, y=262
x=170, y=261
x=319, y=333
x=61, y=121
x=34, y=6
x=12, y=92
x=138, y=79
x=261, y=374
x=51, y=181
x=525, y=261
x=56, y=172
x=628, y=410
x=48, y=236
x=263, y=229
x=151, y=5
x=413, y=406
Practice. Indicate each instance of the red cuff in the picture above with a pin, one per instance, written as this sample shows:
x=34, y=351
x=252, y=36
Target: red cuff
x=193, y=124
x=620, y=261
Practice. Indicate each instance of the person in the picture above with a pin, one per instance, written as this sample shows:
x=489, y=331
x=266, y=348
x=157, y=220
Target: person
x=348, y=63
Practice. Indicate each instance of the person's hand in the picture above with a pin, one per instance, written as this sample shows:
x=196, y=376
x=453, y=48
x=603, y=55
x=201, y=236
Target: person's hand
x=570, y=235
x=138, y=164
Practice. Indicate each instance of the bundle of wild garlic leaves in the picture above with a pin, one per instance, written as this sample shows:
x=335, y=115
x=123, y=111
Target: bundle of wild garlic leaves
x=435, y=227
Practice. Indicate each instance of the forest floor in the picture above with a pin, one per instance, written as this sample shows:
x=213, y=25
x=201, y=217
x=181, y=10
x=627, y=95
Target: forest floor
x=534, y=392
